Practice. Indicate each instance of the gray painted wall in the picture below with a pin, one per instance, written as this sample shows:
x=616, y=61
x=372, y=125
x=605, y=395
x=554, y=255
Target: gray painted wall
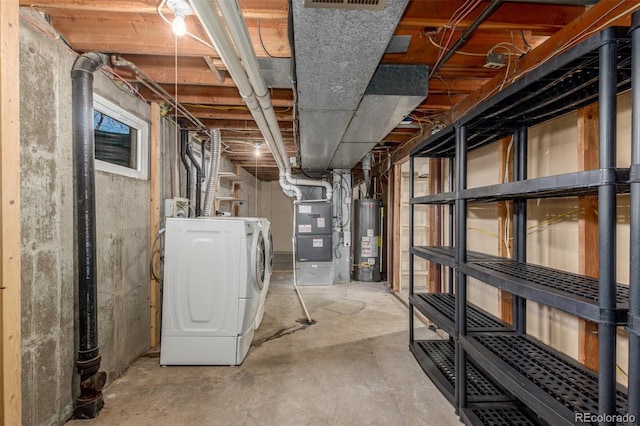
x=49, y=305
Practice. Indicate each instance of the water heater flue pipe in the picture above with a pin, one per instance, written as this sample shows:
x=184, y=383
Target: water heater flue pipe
x=90, y=401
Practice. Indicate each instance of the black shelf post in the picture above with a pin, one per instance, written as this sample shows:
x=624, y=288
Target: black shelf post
x=451, y=220
x=411, y=258
x=607, y=230
x=520, y=222
x=634, y=261
x=461, y=258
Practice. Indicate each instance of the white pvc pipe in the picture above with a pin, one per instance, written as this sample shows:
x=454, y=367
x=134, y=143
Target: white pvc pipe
x=238, y=29
x=214, y=27
x=308, y=182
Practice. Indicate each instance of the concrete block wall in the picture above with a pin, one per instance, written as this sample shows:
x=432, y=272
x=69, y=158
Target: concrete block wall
x=49, y=288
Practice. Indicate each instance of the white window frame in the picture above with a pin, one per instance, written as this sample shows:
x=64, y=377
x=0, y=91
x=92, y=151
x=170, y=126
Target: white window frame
x=142, y=140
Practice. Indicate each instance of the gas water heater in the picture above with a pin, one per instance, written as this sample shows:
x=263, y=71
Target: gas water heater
x=367, y=241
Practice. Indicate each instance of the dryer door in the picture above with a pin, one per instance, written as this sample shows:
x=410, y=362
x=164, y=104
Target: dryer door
x=260, y=254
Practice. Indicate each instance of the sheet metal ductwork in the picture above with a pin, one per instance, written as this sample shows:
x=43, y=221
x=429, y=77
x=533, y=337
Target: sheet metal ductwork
x=337, y=52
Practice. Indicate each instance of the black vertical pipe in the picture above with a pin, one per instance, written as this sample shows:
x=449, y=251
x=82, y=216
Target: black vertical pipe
x=411, y=241
x=634, y=261
x=451, y=220
x=195, y=163
x=461, y=258
x=90, y=401
x=184, y=140
x=607, y=231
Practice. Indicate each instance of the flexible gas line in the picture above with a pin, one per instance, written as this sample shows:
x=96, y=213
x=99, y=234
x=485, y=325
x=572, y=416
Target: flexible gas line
x=295, y=279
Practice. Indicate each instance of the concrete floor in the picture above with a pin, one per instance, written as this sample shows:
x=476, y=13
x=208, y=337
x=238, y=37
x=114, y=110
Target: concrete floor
x=352, y=367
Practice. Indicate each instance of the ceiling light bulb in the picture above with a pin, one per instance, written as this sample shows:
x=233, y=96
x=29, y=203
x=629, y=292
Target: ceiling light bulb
x=179, y=27
x=257, y=146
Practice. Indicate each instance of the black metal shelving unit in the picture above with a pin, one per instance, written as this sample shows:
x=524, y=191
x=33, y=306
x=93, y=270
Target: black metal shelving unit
x=532, y=377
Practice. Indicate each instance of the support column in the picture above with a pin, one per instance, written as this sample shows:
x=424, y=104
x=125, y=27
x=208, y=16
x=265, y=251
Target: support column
x=588, y=228
x=520, y=223
x=461, y=258
x=155, y=166
x=10, y=338
x=606, y=231
x=634, y=261
x=411, y=258
x=505, y=223
x=435, y=223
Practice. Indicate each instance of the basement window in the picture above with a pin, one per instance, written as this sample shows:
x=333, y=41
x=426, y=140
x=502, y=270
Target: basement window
x=121, y=140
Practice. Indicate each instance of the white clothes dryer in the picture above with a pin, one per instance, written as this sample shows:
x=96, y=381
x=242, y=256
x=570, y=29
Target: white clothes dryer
x=213, y=277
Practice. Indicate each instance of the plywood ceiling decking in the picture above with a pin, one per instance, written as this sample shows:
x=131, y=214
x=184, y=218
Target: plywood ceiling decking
x=134, y=30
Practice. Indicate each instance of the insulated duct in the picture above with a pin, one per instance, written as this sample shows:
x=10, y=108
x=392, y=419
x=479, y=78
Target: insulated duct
x=90, y=401
x=250, y=82
x=196, y=165
x=184, y=140
x=214, y=169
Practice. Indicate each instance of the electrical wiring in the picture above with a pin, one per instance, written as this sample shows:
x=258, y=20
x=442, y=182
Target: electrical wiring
x=507, y=222
x=457, y=52
x=584, y=33
x=52, y=35
x=262, y=43
x=188, y=34
x=536, y=228
x=457, y=17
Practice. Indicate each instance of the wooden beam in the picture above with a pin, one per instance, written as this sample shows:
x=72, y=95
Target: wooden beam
x=250, y=8
x=505, y=224
x=569, y=35
x=588, y=228
x=602, y=12
x=10, y=303
x=207, y=95
x=126, y=33
x=221, y=112
x=435, y=223
x=219, y=75
x=155, y=166
x=161, y=69
x=542, y=18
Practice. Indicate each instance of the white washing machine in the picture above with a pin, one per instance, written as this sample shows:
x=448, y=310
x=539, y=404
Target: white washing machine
x=268, y=243
x=213, y=278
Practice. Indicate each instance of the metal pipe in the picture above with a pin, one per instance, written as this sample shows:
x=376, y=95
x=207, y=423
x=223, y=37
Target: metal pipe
x=634, y=261
x=607, y=231
x=90, y=401
x=196, y=165
x=366, y=170
x=214, y=169
x=149, y=83
x=184, y=137
x=464, y=37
